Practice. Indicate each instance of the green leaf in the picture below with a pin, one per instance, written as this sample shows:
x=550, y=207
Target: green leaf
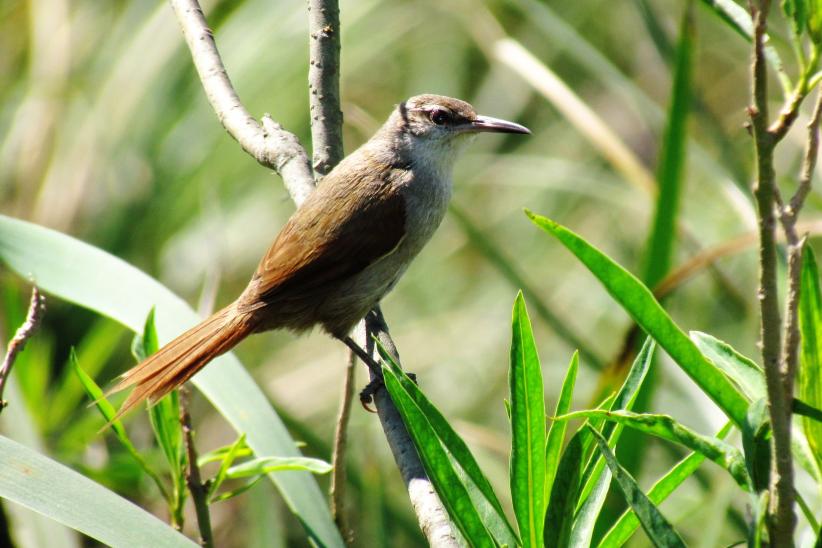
x=658, y=529
x=146, y=342
x=640, y=303
x=756, y=435
x=746, y=373
x=670, y=173
x=815, y=20
x=663, y=426
x=563, y=502
x=226, y=459
x=797, y=13
x=628, y=522
x=220, y=453
x=88, y=276
x=266, y=465
x=556, y=433
x=234, y=492
x=810, y=356
x=30, y=479
x=477, y=485
x=439, y=467
x=596, y=478
x=528, y=428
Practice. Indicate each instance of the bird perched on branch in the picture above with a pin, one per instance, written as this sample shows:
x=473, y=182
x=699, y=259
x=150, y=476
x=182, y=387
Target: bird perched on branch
x=343, y=249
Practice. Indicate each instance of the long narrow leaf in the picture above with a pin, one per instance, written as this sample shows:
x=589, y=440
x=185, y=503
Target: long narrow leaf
x=672, y=159
x=628, y=522
x=658, y=529
x=527, y=428
x=87, y=276
x=438, y=465
x=640, y=303
x=560, y=515
x=45, y=486
x=725, y=455
x=478, y=485
x=596, y=479
x=556, y=434
x=810, y=362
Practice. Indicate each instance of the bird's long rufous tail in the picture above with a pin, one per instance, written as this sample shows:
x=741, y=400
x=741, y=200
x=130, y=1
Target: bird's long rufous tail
x=180, y=359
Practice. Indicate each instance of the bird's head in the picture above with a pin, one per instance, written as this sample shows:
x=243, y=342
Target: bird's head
x=436, y=121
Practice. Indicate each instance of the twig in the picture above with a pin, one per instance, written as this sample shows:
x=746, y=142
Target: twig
x=278, y=149
x=199, y=495
x=338, y=477
x=788, y=215
x=781, y=518
x=37, y=305
x=266, y=141
x=324, y=84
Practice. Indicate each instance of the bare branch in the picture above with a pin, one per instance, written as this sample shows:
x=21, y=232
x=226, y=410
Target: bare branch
x=324, y=84
x=781, y=517
x=37, y=305
x=338, y=477
x=193, y=479
x=267, y=142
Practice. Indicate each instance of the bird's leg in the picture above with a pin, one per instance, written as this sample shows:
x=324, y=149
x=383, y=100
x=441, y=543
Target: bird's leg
x=367, y=393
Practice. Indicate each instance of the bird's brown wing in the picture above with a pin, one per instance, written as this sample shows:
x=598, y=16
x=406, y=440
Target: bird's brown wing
x=335, y=236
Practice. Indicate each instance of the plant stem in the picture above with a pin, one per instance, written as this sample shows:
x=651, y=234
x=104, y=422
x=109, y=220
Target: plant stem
x=338, y=477
x=781, y=518
x=193, y=479
x=37, y=305
x=324, y=84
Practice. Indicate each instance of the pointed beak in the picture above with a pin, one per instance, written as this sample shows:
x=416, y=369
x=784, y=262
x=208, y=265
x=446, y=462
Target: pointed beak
x=495, y=125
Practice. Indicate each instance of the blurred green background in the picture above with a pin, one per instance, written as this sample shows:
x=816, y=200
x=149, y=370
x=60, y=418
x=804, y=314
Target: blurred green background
x=105, y=134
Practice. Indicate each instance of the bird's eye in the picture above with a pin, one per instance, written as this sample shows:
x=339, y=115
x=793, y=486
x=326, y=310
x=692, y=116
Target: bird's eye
x=439, y=116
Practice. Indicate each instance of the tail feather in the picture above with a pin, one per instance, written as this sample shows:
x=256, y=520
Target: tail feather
x=179, y=360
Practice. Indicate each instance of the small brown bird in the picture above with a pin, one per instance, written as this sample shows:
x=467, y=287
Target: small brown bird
x=343, y=249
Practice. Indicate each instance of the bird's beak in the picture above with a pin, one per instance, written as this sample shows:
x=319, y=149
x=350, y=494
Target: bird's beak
x=495, y=125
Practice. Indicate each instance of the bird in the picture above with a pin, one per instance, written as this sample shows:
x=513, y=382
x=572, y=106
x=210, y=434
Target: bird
x=343, y=249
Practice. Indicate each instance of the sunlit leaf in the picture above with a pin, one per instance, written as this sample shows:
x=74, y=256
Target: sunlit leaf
x=556, y=433
x=640, y=303
x=265, y=465
x=527, y=427
x=810, y=357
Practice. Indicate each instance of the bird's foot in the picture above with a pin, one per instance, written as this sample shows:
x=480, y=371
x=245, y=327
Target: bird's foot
x=367, y=393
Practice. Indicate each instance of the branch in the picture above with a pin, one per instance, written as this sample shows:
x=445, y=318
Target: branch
x=338, y=477
x=266, y=141
x=324, y=84
x=781, y=518
x=37, y=305
x=193, y=480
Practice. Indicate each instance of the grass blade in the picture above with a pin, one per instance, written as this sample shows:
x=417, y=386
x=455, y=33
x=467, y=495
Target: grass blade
x=658, y=529
x=640, y=303
x=527, y=428
x=628, y=522
x=556, y=433
x=810, y=357
x=45, y=486
x=90, y=277
x=670, y=173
